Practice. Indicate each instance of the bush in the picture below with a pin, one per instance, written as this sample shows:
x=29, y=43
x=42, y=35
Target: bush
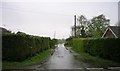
x=17, y=47
x=68, y=41
x=53, y=42
x=107, y=48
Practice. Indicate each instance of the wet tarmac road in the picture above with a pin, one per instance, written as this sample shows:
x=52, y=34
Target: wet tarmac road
x=61, y=59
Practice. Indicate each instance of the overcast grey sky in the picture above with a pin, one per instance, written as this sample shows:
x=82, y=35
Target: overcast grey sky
x=45, y=18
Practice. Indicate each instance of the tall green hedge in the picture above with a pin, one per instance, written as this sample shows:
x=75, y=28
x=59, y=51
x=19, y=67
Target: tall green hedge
x=107, y=48
x=53, y=42
x=18, y=47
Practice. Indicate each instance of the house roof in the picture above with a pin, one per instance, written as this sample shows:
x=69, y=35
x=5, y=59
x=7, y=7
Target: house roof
x=114, y=29
x=3, y=30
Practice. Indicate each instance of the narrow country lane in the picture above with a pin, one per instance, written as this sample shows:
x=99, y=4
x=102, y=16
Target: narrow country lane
x=61, y=59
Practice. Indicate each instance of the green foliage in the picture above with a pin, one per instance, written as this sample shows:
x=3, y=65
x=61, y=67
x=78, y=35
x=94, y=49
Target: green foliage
x=82, y=20
x=105, y=48
x=83, y=23
x=94, y=27
x=53, y=42
x=22, y=33
x=60, y=41
x=97, y=25
x=68, y=41
x=83, y=34
x=17, y=47
x=38, y=58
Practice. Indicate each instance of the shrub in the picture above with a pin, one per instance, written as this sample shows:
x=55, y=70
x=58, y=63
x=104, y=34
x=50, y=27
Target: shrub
x=17, y=47
x=107, y=48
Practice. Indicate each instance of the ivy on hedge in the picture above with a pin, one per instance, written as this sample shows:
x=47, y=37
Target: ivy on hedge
x=107, y=48
x=17, y=47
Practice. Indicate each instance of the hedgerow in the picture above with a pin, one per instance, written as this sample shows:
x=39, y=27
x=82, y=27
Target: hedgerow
x=17, y=47
x=107, y=48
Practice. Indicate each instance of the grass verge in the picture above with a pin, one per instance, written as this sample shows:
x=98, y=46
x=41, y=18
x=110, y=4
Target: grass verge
x=30, y=61
x=96, y=61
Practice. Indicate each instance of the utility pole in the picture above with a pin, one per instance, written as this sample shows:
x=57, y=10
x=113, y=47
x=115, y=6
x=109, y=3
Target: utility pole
x=119, y=13
x=54, y=34
x=75, y=25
